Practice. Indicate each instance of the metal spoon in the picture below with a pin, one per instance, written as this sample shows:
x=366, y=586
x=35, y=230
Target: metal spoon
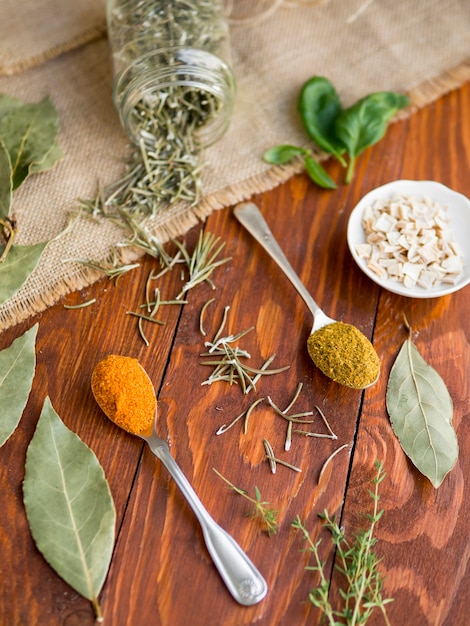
x=243, y=580
x=251, y=218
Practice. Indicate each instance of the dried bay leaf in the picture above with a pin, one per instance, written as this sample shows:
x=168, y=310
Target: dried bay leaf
x=7, y=103
x=29, y=133
x=18, y=265
x=420, y=410
x=69, y=505
x=17, y=366
x=6, y=182
x=50, y=159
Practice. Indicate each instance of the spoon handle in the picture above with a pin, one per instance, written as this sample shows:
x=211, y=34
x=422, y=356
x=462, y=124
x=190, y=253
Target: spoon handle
x=251, y=218
x=243, y=580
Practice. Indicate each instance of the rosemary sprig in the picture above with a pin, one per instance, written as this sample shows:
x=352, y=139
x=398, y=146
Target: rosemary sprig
x=262, y=510
x=203, y=260
x=357, y=563
x=227, y=360
x=111, y=270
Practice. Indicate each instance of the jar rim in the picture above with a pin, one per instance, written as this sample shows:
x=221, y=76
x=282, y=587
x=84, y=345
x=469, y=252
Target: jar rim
x=149, y=75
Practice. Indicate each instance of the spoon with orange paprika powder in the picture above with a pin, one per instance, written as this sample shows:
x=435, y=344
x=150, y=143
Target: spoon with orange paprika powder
x=126, y=395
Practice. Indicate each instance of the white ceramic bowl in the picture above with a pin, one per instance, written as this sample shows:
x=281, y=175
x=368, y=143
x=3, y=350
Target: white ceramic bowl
x=459, y=216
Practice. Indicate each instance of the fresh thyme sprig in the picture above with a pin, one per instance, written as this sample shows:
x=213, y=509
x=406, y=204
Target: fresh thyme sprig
x=357, y=563
x=262, y=510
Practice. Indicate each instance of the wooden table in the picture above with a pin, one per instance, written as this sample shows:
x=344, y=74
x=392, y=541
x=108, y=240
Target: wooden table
x=161, y=573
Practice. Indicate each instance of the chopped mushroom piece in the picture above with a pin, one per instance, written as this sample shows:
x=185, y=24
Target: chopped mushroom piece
x=409, y=239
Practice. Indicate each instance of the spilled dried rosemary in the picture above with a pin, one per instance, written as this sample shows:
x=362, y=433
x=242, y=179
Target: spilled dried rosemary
x=229, y=361
x=160, y=42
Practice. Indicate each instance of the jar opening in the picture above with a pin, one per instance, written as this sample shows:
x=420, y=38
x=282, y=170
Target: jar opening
x=179, y=90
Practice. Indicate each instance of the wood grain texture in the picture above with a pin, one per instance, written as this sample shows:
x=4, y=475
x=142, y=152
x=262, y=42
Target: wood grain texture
x=161, y=573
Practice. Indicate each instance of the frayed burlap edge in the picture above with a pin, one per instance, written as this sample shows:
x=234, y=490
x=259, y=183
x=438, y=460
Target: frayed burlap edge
x=92, y=34
x=185, y=219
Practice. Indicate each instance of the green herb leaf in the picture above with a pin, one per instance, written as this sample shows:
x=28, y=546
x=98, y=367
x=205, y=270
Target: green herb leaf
x=365, y=123
x=420, y=410
x=16, y=268
x=69, y=506
x=319, y=106
x=318, y=174
x=50, y=159
x=8, y=103
x=17, y=365
x=282, y=154
x=6, y=183
x=29, y=132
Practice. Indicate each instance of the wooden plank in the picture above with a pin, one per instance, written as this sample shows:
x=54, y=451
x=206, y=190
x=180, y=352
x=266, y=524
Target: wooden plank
x=161, y=573
x=422, y=536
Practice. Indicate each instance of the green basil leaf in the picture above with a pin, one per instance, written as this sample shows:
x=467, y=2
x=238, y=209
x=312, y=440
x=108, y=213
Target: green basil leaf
x=69, y=506
x=319, y=106
x=318, y=174
x=15, y=269
x=282, y=154
x=6, y=183
x=365, y=123
x=28, y=132
x=17, y=365
x=420, y=410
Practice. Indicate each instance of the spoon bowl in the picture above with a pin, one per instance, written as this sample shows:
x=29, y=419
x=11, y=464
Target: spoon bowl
x=119, y=384
x=342, y=352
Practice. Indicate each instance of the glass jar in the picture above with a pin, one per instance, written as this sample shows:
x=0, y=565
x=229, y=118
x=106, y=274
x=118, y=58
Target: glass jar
x=173, y=82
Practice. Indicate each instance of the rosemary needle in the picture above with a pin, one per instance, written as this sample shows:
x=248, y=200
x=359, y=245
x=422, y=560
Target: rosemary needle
x=82, y=305
x=201, y=317
x=329, y=459
x=273, y=461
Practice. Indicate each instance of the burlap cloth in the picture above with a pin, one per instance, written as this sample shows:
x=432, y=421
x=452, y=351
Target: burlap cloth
x=57, y=48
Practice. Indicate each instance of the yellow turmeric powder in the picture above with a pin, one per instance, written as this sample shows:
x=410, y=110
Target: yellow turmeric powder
x=125, y=393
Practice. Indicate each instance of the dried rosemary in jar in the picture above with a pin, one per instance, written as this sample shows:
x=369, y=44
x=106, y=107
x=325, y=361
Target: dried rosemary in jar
x=173, y=88
x=344, y=354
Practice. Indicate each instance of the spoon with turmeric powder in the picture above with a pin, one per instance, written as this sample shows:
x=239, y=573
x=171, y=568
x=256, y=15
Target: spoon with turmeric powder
x=126, y=395
x=338, y=349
